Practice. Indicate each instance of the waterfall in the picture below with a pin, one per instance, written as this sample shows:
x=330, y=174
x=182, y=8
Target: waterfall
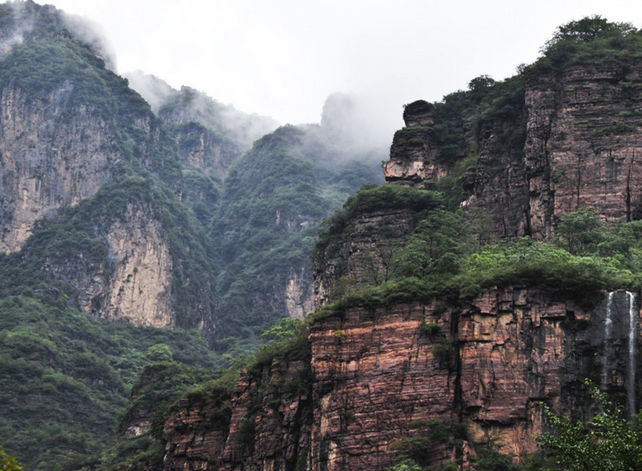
x=608, y=331
x=630, y=386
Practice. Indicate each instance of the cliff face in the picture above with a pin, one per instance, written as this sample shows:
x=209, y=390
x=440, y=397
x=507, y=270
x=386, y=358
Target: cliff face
x=362, y=258
x=375, y=373
x=138, y=286
x=45, y=167
x=568, y=142
x=78, y=134
x=583, y=138
x=456, y=371
x=382, y=375
x=264, y=423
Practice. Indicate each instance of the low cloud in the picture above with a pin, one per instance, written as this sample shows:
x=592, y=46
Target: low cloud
x=28, y=21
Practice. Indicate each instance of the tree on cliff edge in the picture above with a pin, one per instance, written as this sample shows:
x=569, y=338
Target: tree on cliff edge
x=586, y=30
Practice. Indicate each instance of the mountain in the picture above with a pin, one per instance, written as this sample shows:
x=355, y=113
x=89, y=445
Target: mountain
x=495, y=272
x=149, y=248
x=124, y=259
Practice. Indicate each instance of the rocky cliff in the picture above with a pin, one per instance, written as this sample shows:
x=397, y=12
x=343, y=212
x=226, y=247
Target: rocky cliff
x=263, y=423
x=73, y=132
x=546, y=143
x=488, y=366
x=444, y=363
x=383, y=375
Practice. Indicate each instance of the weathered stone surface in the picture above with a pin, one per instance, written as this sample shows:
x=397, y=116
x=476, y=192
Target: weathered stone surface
x=574, y=145
x=376, y=375
x=583, y=138
x=362, y=257
x=299, y=294
x=45, y=166
x=139, y=287
x=374, y=372
x=265, y=427
x=413, y=157
x=418, y=113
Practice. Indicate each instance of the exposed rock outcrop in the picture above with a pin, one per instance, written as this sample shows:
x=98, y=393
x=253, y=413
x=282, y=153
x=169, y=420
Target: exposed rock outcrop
x=299, y=294
x=571, y=143
x=45, y=165
x=379, y=375
x=377, y=372
x=139, y=287
x=583, y=136
x=364, y=257
x=263, y=424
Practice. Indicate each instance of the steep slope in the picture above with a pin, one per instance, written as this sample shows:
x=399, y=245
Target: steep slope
x=211, y=135
x=93, y=229
x=274, y=198
x=560, y=136
x=430, y=342
x=70, y=127
x=65, y=376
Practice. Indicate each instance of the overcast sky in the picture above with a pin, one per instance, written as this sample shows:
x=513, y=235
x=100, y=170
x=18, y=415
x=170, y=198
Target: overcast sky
x=282, y=58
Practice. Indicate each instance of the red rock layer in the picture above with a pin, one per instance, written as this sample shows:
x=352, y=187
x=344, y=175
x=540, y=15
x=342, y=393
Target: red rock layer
x=380, y=375
x=375, y=373
x=575, y=144
x=262, y=425
x=583, y=139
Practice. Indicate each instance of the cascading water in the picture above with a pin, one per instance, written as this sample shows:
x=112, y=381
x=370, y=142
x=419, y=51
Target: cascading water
x=608, y=332
x=630, y=383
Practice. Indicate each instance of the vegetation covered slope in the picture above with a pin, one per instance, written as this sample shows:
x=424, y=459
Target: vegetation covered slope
x=446, y=255
x=273, y=201
x=64, y=375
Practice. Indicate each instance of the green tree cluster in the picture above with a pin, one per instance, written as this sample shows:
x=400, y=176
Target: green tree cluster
x=8, y=463
x=607, y=442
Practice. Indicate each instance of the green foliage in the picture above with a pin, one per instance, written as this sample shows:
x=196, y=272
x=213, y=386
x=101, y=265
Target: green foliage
x=616, y=128
x=529, y=263
x=444, y=351
x=272, y=202
x=521, y=262
x=159, y=352
x=297, y=347
x=285, y=329
x=8, y=463
x=373, y=198
x=608, y=442
x=405, y=465
x=429, y=329
x=439, y=244
x=587, y=30
x=384, y=295
x=428, y=433
x=593, y=41
x=65, y=377
x=581, y=232
x=201, y=193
